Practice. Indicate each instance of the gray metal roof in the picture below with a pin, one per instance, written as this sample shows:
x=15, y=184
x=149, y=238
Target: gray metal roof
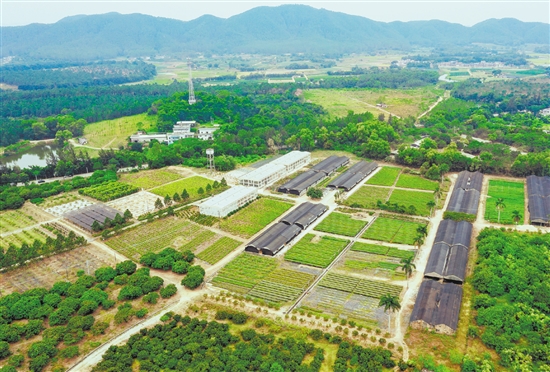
x=464, y=201
x=454, y=233
x=353, y=175
x=330, y=164
x=438, y=304
x=538, y=191
x=86, y=216
x=469, y=181
x=302, y=182
x=304, y=215
x=447, y=262
x=273, y=239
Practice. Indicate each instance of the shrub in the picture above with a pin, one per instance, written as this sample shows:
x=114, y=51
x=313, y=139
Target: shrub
x=316, y=334
x=180, y=267
x=152, y=284
x=121, y=279
x=151, y=298
x=141, y=313
x=16, y=360
x=126, y=267
x=69, y=352
x=194, y=278
x=168, y=291
x=4, y=350
x=99, y=328
x=105, y=274
x=129, y=292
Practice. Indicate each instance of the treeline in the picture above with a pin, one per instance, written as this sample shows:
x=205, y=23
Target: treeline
x=471, y=55
x=91, y=74
x=513, y=301
x=392, y=78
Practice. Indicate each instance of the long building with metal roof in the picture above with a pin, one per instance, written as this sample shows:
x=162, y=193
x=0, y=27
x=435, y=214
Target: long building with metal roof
x=276, y=169
x=273, y=239
x=300, y=184
x=466, y=193
x=330, y=164
x=228, y=201
x=304, y=215
x=538, y=193
x=355, y=174
x=437, y=306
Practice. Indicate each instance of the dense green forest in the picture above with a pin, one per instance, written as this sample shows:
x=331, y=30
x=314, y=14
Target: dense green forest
x=512, y=277
x=36, y=76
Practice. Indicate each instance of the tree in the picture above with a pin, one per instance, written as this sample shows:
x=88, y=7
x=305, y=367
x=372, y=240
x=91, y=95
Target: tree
x=167, y=200
x=208, y=188
x=184, y=194
x=422, y=230
x=499, y=205
x=431, y=205
x=176, y=198
x=158, y=204
x=223, y=182
x=315, y=193
x=390, y=304
x=418, y=241
x=128, y=215
x=408, y=267
x=200, y=191
x=516, y=216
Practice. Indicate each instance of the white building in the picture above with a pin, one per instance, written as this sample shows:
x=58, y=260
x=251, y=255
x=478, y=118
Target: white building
x=545, y=112
x=206, y=133
x=276, y=169
x=181, y=130
x=228, y=201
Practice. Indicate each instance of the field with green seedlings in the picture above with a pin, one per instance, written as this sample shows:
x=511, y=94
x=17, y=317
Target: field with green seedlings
x=191, y=184
x=218, y=250
x=392, y=230
x=15, y=220
x=149, y=179
x=341, y=224
x=367, y=196
x=513, y=196
x=108, y=191
x=386, y=176
x=159, y=234
x=25, y=236
x=316, y=251
x=282, y=285
x=244, y=272
x=365, y=287
x=381, y=250
x=248, y=221
x=411, y=181
x=418, y=199
x=113, y=133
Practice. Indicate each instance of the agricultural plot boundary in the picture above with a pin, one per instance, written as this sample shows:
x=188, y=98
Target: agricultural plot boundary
x=365, y=287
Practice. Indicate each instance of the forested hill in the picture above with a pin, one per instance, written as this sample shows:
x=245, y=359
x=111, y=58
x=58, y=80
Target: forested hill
x=271, y=30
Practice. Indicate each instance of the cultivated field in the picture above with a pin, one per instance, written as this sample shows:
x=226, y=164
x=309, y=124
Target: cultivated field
x=149, y=179
x=218, y=250
x=113, y=133
x=400, y=102
x=138, y=204
x=367, y=196
x=191, y=184
x=381, y=250
x=418, y=199
x=20, y=219
x=514, y=199
x=108, y=191
x=341, y=224
x=392, y=230
x=374, y=265
x=56, y=200
x=316, y=251
x=365, y=287
x=61, y=209
x=282, y=285
x=254, y=217
x=386, y=176
x=411, y=181
x=26, y=236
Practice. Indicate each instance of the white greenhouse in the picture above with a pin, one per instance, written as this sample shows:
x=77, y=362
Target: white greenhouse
x=228, y=201
x=276, y=169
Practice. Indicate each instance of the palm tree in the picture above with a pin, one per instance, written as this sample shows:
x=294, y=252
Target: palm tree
x=499, y=205
x=431, y=205
x=390, y=304
x=422, y=230
x=408, y=267
x=418, y=241
x=516, y=216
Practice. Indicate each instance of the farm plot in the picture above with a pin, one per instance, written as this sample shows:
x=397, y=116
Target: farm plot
x=149, y=179
x=341, y=224
x=411, y=181
x=244, y=272
x=254, y=217
x=282, y=285
x=514, y=199
x=159, y=234
x=60, y=267
x=25, y=236
x=417, y=199
x=378, y=265
x=392, y=230
x=386, y=176
x=191, y=184
x=108, y=191
x=218, y=250
x=56, y=200
x=365, y=287
x=61, y=209
x=15, y=220
x=316, y=251
x=367, y=196
x=138, y=204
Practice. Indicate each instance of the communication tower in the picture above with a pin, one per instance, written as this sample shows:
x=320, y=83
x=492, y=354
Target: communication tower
x=210, y=157
x=192, y=99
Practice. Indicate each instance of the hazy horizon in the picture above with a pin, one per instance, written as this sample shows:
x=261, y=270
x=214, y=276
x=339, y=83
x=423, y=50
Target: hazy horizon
x=20, y=13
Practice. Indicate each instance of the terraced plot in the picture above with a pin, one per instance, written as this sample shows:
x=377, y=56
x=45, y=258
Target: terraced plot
x=367, y=196
x=418, y=199
x=386, y=176
x=218, y=250
x=316, y=251
x=341, y=224
x=244, y=272
x=392, y=230
x=411, y=181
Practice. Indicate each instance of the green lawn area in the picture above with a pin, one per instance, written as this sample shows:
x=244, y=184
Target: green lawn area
x=367, y=196
x=149, y=179
x=514, y=199
x=386, y=176
x=392, y=230
x=418, y=199
x=191, y=184
x=113, y=133
x=316, y=251
x=341, y=224
x=411, y=181
x=254, y=217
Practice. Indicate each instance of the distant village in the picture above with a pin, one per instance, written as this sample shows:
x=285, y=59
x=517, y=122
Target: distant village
x=181, y=130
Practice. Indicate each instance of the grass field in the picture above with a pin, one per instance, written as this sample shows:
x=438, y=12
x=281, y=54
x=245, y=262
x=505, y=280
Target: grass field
x=253, y=218
x=367, y=196
x=113, y=133
x=149, y=179
x=386, y=176
x=191, y=184
x=514, y=199
x=316, y=251
x=218, y=250
x=341, y=224
x=392, y=230
x=401, y=102
x=411, y=181
x=417, y=198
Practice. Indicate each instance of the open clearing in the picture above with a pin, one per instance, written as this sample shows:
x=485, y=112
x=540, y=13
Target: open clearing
x=341, y=224
x=411, y=181
x=316, y=251
x=254, y=217
x=392, y=230
x=149, y=179
x=113, y=133
x=191, y=184
x=367, y=196
x=386, y=176
x=514, y=199
x=401, y=102
x=418, y=199
x=138, y=204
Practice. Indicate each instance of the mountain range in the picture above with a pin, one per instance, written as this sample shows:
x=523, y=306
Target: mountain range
x=264, y=30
